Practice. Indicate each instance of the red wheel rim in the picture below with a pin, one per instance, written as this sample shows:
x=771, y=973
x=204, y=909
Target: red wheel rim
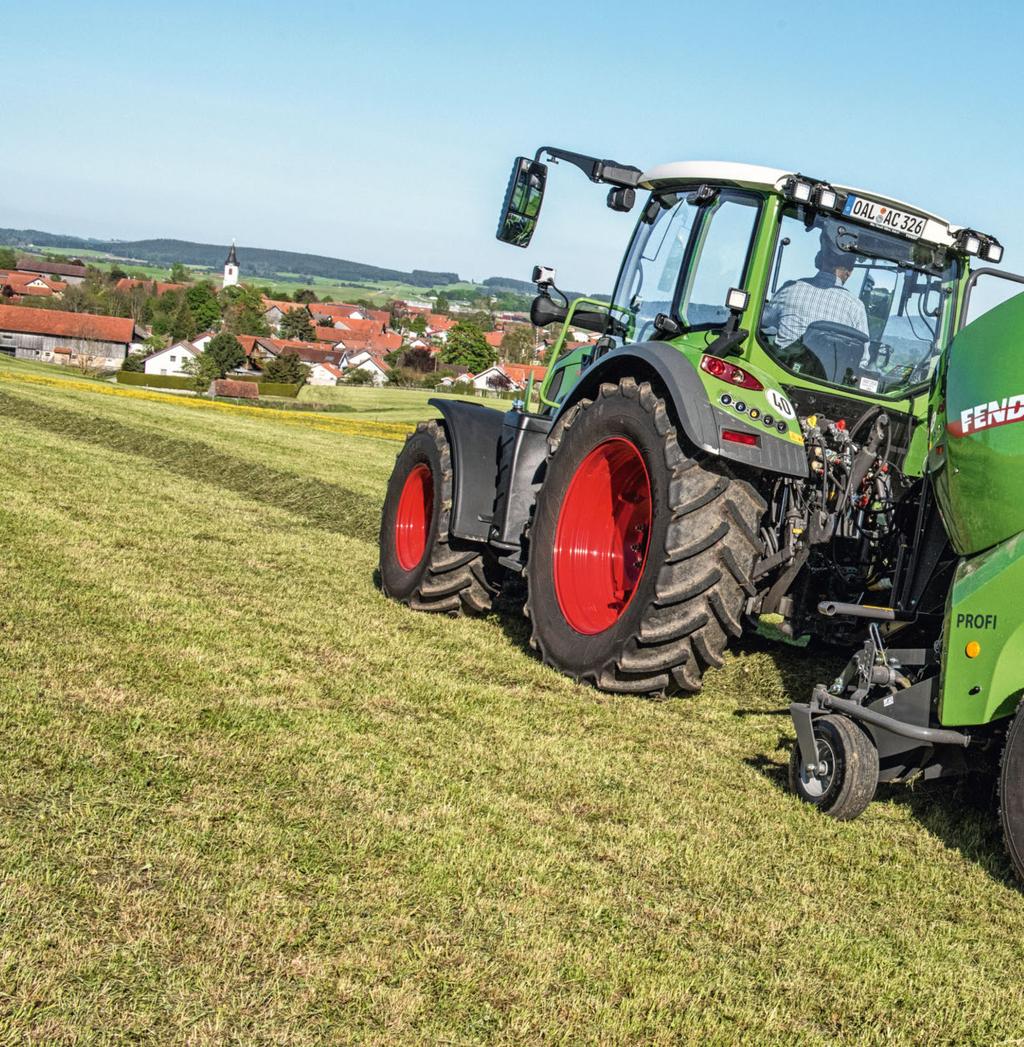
x=601, y=539
x=412, y=519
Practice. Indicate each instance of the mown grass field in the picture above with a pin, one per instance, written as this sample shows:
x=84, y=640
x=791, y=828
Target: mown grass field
x=245, y=799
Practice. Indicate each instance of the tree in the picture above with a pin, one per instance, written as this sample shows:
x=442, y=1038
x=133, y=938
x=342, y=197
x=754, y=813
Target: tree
x=467, y=347
x=287, y=368
x=180, y=274
x=203, y=369
x=295, y=324
x=358, y=376
x=305, y=295
x=8, y=259
x=226, y=352
x=203, y=304
x=183, y=325
x=517, y=344
x=245, y=312
x=441, y=304
x=134, y=362
x=421, y=360
x=116, y=273
x=481, y=319
x=418, y=324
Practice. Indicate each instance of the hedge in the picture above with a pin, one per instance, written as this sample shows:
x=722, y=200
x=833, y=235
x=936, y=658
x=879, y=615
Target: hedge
x=173, y=381
x=155, y=381
x=279, y=389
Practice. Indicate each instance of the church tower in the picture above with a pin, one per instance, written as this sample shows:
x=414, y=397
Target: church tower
x=231, y=268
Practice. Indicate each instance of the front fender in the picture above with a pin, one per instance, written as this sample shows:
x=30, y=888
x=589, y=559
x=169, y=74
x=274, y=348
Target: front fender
x=676, y=378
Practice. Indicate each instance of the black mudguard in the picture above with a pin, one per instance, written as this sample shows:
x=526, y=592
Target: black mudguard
x=700, y=420
x=474, y=433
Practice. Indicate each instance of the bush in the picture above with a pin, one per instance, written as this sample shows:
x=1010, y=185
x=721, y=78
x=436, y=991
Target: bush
x=358, y=376
x=134, y=362
x=155, y=381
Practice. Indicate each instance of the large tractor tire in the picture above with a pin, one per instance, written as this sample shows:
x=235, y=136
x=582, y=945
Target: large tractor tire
x=640, y=551
x=420, y=563
x=1011, y=791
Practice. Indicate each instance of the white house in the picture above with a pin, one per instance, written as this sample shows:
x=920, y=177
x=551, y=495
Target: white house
x=203, y=340
x=364, y=360
x=171, y=359
x=493, y=380
x=324, y=374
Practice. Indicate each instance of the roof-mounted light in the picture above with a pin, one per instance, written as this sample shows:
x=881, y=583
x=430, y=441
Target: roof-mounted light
x=799, y=190
x=826, y=198
x=968, y=241
x=992, y=251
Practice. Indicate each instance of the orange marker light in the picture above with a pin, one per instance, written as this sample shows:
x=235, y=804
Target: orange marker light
x=973, y=649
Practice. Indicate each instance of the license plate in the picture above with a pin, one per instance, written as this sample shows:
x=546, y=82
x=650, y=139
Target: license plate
x=885, y=217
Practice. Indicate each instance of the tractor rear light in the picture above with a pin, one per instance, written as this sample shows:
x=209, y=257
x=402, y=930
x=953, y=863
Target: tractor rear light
x=727, y=372
x=734, y=436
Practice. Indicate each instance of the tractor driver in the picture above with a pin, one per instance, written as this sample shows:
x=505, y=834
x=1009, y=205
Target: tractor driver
x=800, y=303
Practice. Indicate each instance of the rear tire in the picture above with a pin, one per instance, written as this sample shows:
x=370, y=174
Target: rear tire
x=420, y=563
x=850, y=778
x=640, y=552
x=1011, y=791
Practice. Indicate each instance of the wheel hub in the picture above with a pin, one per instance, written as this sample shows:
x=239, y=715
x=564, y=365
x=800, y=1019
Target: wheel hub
x=602, y=536
x=816, y=778
x=413, y=516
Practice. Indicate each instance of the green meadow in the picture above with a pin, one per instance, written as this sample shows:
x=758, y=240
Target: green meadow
x=246, y=799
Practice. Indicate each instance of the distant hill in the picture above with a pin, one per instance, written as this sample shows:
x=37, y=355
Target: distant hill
x=256, y=261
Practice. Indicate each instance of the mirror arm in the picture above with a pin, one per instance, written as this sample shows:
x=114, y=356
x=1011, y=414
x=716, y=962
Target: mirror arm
x=608, y=171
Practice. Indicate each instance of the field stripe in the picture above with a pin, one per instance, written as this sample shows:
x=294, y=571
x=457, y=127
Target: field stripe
x=319, y=502
x=302, y=419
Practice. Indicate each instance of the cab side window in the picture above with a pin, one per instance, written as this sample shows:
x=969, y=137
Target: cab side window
x=719, y=261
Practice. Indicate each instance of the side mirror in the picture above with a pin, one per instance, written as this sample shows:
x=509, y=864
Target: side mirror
x=523, y=198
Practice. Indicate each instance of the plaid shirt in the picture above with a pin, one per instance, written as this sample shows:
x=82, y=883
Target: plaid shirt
x=804, y=302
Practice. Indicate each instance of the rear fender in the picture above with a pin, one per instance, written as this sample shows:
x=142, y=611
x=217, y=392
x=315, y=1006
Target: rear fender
x=474, y=432
x=676, y=378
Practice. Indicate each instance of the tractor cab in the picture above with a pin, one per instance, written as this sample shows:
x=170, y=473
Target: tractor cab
x=827, y=295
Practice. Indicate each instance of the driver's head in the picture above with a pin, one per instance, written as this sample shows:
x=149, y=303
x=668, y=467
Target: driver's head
x=831, y=260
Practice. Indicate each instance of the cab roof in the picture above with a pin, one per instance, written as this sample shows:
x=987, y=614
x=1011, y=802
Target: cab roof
x=754, y=176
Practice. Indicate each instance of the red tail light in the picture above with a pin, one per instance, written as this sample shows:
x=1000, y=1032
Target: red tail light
x=727, y=372
x=747, y=439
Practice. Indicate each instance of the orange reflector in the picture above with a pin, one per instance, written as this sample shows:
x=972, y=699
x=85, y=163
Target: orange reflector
x=973, y=649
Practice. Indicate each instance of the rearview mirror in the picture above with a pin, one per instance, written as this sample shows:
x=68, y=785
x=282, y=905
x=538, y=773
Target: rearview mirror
x=523, y=198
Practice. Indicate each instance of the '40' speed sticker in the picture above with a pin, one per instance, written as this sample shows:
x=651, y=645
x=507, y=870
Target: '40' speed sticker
x=781, y=404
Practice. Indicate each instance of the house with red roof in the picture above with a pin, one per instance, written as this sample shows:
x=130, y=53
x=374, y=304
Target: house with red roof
x=364, y=360
x=15, y=285
x=325, y=374
x=158, y=287
x=171, y=360
x=69, y=272
x=34, y=334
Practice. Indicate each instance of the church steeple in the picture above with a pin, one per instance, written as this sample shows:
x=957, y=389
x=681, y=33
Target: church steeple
x=231, y=268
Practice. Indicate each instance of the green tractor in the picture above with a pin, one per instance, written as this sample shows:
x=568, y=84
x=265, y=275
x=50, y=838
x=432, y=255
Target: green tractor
x=779, y=423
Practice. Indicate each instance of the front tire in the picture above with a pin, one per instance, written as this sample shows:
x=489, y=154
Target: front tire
x=640, y=551
x=421, y=565
x=848, y=777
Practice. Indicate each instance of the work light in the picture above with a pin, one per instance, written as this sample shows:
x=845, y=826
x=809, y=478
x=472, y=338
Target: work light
x=799, y=190
x=826, y=198
x=992, y=251
x=968, y=241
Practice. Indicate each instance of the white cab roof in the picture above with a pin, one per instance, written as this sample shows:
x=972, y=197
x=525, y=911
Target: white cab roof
x=754, y=176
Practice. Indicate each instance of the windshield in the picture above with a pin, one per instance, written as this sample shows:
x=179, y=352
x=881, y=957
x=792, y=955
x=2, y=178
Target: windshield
x=707, y=229
x=857, y=307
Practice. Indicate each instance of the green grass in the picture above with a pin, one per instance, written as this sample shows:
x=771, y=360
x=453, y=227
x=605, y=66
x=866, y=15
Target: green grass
x=246, y=799
x=387, y=405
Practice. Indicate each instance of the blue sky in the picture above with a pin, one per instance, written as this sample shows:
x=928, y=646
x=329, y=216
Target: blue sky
x=383, y=132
